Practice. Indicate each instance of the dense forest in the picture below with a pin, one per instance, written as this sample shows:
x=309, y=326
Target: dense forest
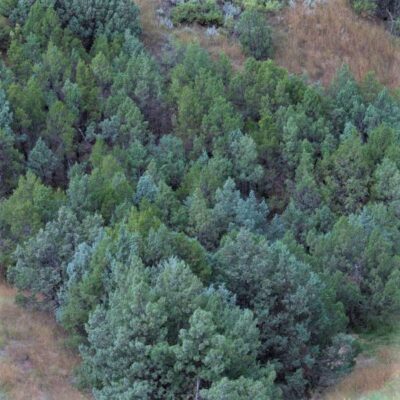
x=200, y=231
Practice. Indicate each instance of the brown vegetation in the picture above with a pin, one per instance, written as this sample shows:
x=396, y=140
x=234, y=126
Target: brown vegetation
x=155, y=36
x=34, y=365
x=153, y=33
x=319, y=41
x=371, y=375
x=316, y=42
x=216, y=45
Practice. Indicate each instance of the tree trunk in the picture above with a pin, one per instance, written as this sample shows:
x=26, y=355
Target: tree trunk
x=197, y=397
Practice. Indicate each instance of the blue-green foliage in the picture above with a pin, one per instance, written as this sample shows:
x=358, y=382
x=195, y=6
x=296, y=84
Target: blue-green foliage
x=173, y=336
x=199, y=231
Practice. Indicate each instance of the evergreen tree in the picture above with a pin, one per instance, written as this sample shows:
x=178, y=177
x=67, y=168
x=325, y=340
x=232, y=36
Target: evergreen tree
x=255, y=35
x=346, y=173
x=10, y=163
x=42, y=161
x=292, y=305
x=41, y=262
x=200, y=340
x=146, y=189
x=95, y=17
x=29, y=208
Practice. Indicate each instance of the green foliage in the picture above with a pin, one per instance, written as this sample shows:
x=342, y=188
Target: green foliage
x=154, y=244
x=108, y=188
x=96, y=17
x=42, y=161
x=204, y=112
x=198, y=341
x=347, y=175
x=10, y=163
x=41, y=261
x=29, y=207
x=255, y=35
x=24, y=212
x=263, y=5
x=360, y=256
x=387, y=10
x=364, y=7
x=203, y=12
x=242, y=389
x=291, y=306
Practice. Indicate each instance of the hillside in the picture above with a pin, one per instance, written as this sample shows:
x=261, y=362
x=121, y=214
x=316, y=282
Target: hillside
x=316, y=42
x=34, y=365
x=199, y=199
x=376, y=375
x=319, y=42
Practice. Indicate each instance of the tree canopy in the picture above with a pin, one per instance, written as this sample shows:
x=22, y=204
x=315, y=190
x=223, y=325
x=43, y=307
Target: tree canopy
x=200, y=231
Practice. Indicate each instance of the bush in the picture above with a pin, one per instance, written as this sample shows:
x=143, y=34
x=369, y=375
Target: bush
x=264, y=5
x=202, y=12
x=255, y=35
x=364, y=7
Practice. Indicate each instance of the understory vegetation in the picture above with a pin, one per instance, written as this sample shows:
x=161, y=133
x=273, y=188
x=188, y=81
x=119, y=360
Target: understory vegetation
x=200, y=231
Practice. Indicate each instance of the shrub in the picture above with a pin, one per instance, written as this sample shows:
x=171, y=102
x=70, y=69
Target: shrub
x=202, y=12
x=264, y=5
x=364, y=7
x=255, y=35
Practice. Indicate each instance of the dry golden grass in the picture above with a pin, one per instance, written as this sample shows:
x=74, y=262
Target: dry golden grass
x=320, y=41
x=155, y=35
x=215, y=45
x=369, y=376
x=34, y=365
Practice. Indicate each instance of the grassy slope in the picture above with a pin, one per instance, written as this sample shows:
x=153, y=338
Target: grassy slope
x=318, y=42
x=34, y=365
x=377, y=372
x=314, y=42
x=156, y=36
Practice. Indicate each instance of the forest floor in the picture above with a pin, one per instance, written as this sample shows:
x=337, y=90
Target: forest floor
x=376, y=375
x=34, y=363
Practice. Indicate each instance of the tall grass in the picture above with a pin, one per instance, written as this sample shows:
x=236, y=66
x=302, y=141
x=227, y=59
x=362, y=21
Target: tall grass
x=319, y=41
x=216, y=45
x=34, y=365
x=377, y=372
x=152, y=31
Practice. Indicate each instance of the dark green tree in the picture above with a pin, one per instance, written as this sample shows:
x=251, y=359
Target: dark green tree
x=42, y=161
x=94, y=17
x=255, y=35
